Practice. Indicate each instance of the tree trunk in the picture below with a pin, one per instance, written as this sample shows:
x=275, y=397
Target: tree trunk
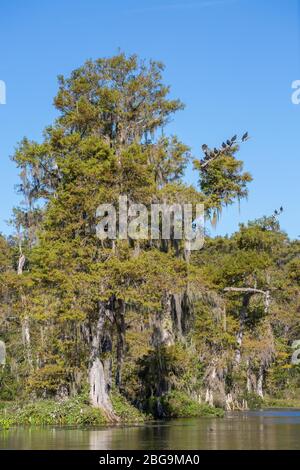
x=119, y=317
x=260, y=380
x=163, y=331
x=209, y=397
x=25, y=326
x=239, y=337
x=98, y=387
x=100, y=366
x=26, y=339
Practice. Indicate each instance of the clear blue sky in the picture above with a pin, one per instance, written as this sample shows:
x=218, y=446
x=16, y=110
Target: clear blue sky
x=231, y=62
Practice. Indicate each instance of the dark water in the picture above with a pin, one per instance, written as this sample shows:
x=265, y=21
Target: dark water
x=265, y=429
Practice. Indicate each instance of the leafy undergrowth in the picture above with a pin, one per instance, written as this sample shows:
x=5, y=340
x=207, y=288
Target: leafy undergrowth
x=281, y=403
x=127, y=412
x=5, y=423
x=71, y=412
x=74, y=411
x=254, y=401
x=77, y=411
x=179, y=405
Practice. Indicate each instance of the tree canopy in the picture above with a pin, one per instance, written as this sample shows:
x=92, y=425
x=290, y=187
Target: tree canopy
x=139, y=317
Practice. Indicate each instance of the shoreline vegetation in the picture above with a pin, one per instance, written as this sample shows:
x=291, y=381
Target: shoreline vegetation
x=78, y=411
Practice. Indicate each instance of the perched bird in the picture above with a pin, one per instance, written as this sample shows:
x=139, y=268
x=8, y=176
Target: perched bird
x=204, y=147
x=281, y=209
x=245, y=137
x=233, y=139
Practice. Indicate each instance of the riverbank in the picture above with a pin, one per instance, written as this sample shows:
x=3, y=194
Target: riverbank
x=282, y=403
x=238, y=430
x=69, y=412
x=77, y=411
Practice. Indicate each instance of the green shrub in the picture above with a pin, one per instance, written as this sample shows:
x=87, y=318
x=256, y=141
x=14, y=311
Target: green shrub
x=5, y=423
x=126, y=411
x=177, y=404
x=74, y=411
x=253, y=400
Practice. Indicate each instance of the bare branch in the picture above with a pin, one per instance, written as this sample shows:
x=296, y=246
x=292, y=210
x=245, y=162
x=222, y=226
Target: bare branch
x=246, y=290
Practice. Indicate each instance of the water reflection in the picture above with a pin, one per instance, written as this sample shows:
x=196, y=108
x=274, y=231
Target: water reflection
x=266, y=429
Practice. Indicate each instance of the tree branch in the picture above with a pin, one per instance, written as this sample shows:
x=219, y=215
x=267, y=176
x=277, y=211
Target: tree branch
x=246, y=290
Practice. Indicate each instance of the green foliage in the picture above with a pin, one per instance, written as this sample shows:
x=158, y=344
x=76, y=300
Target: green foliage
x=293, y=269
x=74, y=411
x=285, y=402
x=253, y=400
x=124, y=410
x=167, y=368
x=56, y=276
x=5, y=423
x=177, y=404
x=47, y=379
x=119, y=97
x=222, y=180
x=10, y=389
